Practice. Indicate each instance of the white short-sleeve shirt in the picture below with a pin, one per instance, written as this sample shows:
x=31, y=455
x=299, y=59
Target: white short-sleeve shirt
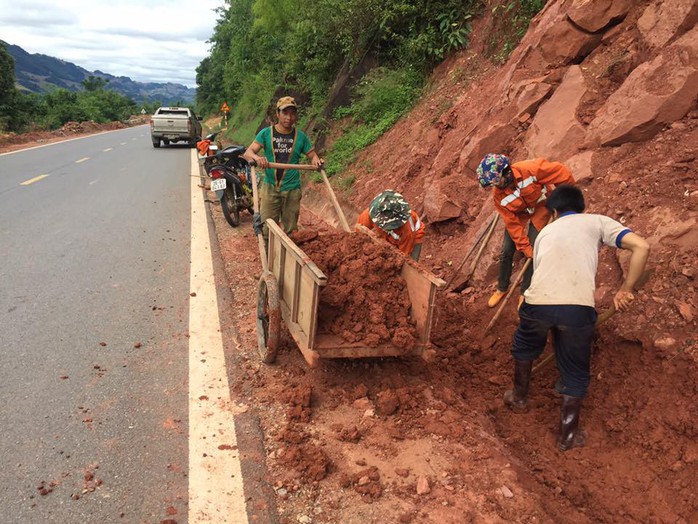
x=565, y=258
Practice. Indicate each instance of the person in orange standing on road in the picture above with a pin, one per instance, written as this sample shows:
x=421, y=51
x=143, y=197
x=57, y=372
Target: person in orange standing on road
x=390, y=214
x=520, y=192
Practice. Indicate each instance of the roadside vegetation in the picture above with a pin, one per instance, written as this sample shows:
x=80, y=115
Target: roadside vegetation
x=262, y=48
x=354, y=64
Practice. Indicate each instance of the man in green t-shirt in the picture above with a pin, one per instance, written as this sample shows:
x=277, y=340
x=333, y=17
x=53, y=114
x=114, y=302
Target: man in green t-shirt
x=280, y=190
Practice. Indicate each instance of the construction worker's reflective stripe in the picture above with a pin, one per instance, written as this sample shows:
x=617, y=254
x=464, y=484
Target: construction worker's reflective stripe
x=510, y=198
x=526, y=182
x=517, y=194
x=543, y=193
x=414, y=226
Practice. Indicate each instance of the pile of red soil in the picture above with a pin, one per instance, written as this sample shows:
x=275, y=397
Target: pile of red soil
x=365, y=300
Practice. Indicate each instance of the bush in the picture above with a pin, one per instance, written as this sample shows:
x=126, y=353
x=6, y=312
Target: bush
x=381, y=99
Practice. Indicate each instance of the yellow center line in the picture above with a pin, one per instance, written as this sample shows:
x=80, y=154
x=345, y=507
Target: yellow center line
x=107, y=149
x=32, y=180
x=82, y=159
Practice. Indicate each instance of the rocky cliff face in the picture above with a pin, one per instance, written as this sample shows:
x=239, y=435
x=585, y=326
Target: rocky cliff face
x=609, y=88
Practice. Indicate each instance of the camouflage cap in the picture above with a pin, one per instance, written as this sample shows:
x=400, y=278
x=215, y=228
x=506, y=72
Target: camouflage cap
x=389, y=210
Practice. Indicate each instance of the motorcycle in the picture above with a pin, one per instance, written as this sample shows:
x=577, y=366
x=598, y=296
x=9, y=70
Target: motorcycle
x=207, y=148
x=231, y=181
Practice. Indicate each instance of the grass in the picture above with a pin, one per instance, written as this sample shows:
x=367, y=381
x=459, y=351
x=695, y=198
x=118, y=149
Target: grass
x=379, y=101
x=510, y=23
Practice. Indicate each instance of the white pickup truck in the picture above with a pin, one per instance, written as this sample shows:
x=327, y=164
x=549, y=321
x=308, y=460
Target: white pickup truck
x=175, y=124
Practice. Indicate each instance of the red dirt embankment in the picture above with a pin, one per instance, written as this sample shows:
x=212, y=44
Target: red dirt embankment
x=610, y=89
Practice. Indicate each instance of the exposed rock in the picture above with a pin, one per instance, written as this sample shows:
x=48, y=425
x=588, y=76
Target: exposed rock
x=555, y=132
x=654, y=95
x=686, y=311
x=438, y=206
x=563, y=43
x=552, y=38
x=387, y=402
x=506, y=492
x=580, y=165
x=661, y=22
x=594, y=15
x=423, y=485
x=494, y=139
x=665, y=343
x=528, y=96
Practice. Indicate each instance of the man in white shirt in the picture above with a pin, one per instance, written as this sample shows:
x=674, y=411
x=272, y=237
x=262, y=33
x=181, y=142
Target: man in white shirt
x=561, y=300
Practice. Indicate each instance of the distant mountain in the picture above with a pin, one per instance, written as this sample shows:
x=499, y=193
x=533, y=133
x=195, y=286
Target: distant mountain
x=39, y=73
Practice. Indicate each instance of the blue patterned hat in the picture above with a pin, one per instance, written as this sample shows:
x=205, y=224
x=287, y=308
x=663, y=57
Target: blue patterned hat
x=491, y=168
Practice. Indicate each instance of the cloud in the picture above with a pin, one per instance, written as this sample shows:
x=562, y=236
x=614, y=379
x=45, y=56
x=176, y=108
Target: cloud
x=148, y=41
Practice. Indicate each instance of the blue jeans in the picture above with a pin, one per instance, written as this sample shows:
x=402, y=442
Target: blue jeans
x=573, y=331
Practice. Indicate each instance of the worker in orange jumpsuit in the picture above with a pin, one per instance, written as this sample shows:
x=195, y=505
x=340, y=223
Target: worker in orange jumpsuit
x=390, y=214
x=520, y=192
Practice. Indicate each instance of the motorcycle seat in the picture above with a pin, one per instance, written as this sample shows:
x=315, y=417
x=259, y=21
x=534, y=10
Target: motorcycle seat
x=232, y=151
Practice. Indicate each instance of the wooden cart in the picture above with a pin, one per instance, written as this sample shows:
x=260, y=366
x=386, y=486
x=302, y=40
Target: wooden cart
x=292, y=287
x=289, y=289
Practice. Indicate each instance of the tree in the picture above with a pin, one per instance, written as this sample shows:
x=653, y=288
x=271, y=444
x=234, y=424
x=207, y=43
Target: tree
x=94, y=83
x=7, y=86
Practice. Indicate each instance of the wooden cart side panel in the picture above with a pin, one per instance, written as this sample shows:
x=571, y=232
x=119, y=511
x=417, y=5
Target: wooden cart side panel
x=288, y=273
x=304, y=344
x=419, y=289
x=308, y=299
x=292, y=250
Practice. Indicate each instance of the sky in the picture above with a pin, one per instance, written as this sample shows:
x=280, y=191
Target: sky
x=146, y=40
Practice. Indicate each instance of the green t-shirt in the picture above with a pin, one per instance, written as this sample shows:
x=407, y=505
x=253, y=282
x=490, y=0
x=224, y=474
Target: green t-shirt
x=285, y=149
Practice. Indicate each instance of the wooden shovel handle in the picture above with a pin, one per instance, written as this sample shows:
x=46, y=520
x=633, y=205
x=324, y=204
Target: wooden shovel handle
x=335, y=203
x=506, y=298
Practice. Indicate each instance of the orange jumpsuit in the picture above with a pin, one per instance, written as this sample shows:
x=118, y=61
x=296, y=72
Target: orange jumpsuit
x=525, y=200
x=410, y=234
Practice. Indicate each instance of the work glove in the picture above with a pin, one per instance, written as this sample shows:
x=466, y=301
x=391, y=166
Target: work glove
x=257, y=223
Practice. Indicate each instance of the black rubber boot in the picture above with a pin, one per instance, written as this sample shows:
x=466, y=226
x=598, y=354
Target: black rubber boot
x=516, y=398
x=571, y=436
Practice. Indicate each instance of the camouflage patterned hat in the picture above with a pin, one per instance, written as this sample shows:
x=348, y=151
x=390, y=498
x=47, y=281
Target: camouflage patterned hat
x=389, y=210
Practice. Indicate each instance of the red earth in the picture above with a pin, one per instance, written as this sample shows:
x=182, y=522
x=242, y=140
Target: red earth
x=428, y=440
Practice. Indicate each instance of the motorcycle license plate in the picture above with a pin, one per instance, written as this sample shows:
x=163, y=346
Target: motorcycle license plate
x=218, y=184
x=213, y=147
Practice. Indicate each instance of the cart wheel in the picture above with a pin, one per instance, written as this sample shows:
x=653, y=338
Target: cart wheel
x=268, y=318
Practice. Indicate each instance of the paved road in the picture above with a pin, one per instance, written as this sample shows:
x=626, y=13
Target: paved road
x=94, y=237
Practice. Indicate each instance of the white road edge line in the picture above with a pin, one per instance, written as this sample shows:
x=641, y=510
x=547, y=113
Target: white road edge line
x=216, y=493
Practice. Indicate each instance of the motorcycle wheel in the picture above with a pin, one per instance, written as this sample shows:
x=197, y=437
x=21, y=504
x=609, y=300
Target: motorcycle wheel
x=229, y=206
x=268, y=318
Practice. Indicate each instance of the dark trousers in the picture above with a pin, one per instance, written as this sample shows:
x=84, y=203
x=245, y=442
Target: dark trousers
x=573, y=331
x=506, y=260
